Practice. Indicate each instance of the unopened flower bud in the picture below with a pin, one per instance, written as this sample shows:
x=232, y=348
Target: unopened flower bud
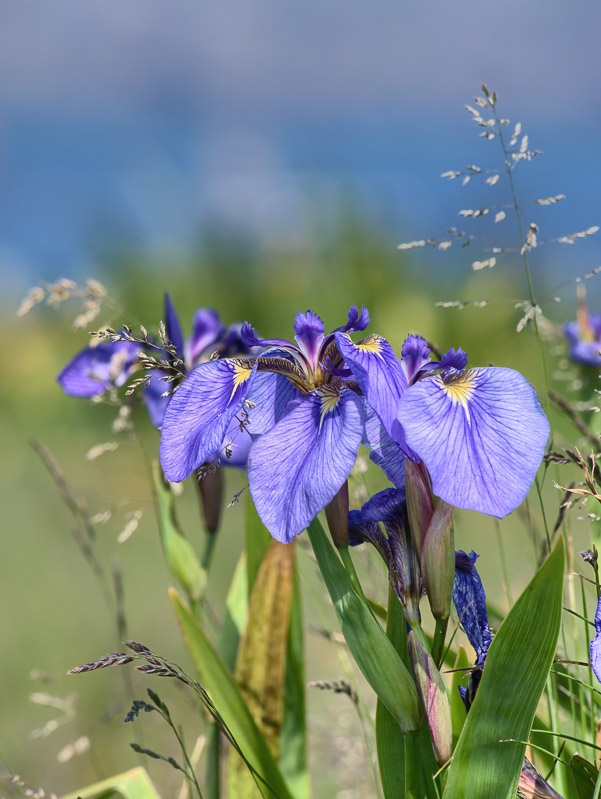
x=433, y=696
x=420, y=504
x=337, y=517
x=438, y=560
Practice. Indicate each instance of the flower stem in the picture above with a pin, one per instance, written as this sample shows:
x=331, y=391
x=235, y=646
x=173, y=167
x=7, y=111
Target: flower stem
x=440, y=633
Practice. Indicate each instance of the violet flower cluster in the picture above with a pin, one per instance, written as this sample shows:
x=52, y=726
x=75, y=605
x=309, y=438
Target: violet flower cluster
x=109, y=365
x=308, y=406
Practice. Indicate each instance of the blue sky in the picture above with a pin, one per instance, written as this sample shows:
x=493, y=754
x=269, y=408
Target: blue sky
x=155, y=117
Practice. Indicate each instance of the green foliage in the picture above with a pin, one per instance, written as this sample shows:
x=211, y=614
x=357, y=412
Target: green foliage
x=220, y=686
x=372, y=650
x=486, y=762
x=134, y=784
x=179, y=552
x=389, y=738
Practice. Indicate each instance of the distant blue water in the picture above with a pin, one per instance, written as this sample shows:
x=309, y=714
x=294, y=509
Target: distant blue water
x=70, y=184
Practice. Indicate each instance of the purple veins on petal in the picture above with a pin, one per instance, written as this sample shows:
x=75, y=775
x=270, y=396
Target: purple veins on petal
x=470, y=602
x=595, y=648
x=383, y=451
x=481, y=434
x=299, y=465
x=267, y=401
x=309, y=332
x=200, y=412
x=97, y=369
x=235, y=446
x=414, y=354
x=380, y=377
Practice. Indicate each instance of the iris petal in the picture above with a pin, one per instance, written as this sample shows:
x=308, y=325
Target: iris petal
x=96, y=369
x=380, y=377
x=173, y=328
x=207, y=330
x=481, y=434
x=156, y=404
x=297, y=467
x=270, y=394
x=414, y=354
x=470, y=602
x=236, y=444
x=383, y=451
x=309, y=330
x=385, y=506
x=356, y=320
x=200, y=412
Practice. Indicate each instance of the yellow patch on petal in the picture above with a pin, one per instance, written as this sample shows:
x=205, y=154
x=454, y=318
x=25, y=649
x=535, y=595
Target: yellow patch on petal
x=460, y=387
x=372, y=343
x=330, y=397
x=242, y=371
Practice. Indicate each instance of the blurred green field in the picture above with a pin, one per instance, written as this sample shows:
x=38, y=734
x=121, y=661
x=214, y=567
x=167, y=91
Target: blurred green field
x=53, y=614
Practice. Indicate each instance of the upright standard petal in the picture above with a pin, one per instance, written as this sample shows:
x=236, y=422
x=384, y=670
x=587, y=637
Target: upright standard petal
x=309, y=330
x=414, y=354
x=173, y=328
x=481, y=434
x=380, y=377
x=207, y=329
x=97, y=369
x=297, y=467
x=199, y=414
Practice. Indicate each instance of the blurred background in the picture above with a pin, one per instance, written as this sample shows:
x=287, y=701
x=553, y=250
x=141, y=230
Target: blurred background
x=261, y=158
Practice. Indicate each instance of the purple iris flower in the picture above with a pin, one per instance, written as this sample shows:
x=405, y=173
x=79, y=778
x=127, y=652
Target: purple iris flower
x=470, y=602
x=100, y=368
x=481, y=432
x=109, y=365
x=300, y=407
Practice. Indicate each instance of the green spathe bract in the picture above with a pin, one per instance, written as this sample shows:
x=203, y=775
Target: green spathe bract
x=374, y=654
x=485, y=763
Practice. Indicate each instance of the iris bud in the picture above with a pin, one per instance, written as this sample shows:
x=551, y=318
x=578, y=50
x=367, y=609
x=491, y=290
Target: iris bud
x=420, y=505
x=433, y=696
x=438, y=561
x=337, y=517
